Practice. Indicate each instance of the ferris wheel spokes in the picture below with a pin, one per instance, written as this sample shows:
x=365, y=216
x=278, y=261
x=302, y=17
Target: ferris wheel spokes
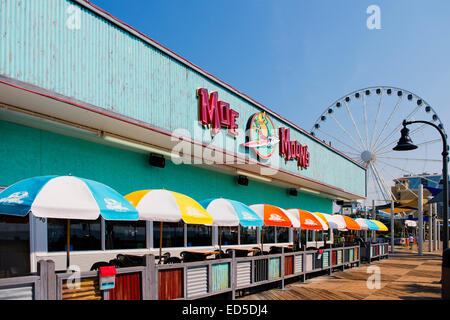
x=354, y=124
x=376, y=120
x=397, y=128
x=404, y=170
x=341, y=142
x=412, y=133
x=397, y=105
x=365, y=121
x=399, y=181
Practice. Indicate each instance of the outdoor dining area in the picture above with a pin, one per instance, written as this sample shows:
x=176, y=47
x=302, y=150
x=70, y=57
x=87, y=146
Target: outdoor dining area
x=319, y=242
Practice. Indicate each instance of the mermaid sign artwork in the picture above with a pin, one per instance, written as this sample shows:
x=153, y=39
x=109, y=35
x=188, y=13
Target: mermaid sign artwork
x=262, y=135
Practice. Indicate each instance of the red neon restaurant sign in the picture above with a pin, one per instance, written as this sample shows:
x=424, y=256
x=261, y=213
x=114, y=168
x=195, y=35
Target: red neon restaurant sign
x=293, y=149
x=216, y=113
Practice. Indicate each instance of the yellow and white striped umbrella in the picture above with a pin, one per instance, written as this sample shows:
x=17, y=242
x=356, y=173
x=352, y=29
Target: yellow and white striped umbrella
x=168, y=206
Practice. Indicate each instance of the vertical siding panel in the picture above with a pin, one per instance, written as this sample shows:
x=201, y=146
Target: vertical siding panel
x=220, y=276
x=298, y=263
x=288, y=265
x=170, y=284
x=128, y=287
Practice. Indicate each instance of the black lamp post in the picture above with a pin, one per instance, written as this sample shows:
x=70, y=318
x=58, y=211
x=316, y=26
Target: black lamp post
x=405, y=144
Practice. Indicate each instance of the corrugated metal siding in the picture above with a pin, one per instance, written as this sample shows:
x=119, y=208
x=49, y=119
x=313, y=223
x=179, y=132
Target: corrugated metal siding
x=298, y=263
x=326, y=259
x=374, y=251
x=333, y=258
x=89, y=290
x=309, y=262
x=109, y=68
x=170, y=284
x=197, y=281
x=261, y=271
x=288, y=265
x=127, y=287
x=339, y=257
x=244, y=274
x=220, y=276
x=17, y=293
x=274, y=268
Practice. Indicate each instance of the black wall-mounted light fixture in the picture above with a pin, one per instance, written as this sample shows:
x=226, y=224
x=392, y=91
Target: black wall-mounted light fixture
x=293, y=192
x=157, y=160
x=243, y=180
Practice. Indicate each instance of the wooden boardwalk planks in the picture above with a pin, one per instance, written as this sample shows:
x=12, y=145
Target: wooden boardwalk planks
x=404, y=276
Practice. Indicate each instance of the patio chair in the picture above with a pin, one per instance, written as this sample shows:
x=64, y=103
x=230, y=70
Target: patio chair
x=172, y=260
x=187, y=256
x=130, y=260
x=99, y=264
x=274, y=250
x=257, y=253
x=222, y=255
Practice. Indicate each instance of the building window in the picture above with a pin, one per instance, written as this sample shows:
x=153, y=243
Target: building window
x=84, y=235
x=125, y=235
x=199, y=235
x=229, y=235
x=248, y=235
x=14, y=246
x=310, y=235
x=303, y=234
x=282, y=234
x=172, y=234
x=319, y=235
x=327, y=235
x=269, y=234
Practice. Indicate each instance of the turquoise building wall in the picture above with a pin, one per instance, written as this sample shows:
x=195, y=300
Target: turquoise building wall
x=103, y=65
x=26, y=152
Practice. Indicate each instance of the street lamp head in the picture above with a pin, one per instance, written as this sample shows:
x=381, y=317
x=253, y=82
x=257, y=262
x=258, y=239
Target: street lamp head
x=405, y=142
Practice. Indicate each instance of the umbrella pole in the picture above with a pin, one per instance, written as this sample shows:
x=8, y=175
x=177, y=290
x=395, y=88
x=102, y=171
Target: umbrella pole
x=220, y=240
x=68, y=244
x=262, y=240
x=160, y=242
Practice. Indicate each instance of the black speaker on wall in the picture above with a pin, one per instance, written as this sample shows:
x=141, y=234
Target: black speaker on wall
x=157, y=160
x=243, y=180
x=292, y=192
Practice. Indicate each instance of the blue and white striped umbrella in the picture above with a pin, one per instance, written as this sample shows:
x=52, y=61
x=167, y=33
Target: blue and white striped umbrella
x=227, y=212
x=367, y=224
x=65, y=197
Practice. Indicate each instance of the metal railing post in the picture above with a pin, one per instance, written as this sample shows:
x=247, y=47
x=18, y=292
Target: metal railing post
x=282, y=267
x=148, y=279
x=43, y=280
x=233, y=275
x=51, y=280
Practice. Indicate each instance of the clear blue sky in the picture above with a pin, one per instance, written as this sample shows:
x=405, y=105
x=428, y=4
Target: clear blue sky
x=299, y=56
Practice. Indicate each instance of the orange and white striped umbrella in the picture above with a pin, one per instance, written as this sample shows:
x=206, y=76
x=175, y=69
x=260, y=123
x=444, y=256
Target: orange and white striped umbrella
x=308, y=220
x=272, y=215
x=350, y=224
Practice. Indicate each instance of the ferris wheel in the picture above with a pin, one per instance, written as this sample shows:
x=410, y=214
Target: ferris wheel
x=365, y=125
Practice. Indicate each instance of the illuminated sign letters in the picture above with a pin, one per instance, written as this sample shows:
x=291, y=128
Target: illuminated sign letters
x=216, y=113
x=293, y=149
